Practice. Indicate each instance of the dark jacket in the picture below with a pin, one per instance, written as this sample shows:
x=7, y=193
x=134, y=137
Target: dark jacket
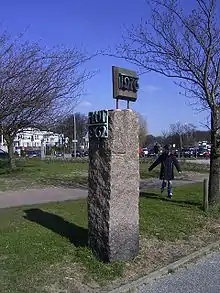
x=167, y=162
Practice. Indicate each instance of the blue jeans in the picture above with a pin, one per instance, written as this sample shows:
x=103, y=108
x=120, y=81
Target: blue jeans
x=164, y=184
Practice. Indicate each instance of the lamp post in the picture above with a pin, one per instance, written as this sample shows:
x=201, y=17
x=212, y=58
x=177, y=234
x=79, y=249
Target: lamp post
x=74, y=135
x=42, y=153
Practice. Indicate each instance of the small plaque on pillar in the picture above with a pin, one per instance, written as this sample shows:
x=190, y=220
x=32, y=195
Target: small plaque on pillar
x=98, y=124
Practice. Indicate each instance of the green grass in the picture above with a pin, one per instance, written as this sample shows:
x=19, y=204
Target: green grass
x=200, y=168
x=33, y=240
x=34, y=173
x=172, y=219
x=144, y=173
x=42, y=245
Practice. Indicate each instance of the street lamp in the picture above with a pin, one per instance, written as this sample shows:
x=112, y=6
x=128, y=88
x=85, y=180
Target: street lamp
x=74, y=134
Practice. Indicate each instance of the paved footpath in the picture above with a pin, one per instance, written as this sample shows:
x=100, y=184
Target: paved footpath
x=54, y=194
x=35, y=196
x=202, y=277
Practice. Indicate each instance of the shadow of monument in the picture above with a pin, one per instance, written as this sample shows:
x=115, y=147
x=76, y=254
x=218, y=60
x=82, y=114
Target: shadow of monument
x=76, y=235
x=182, y=203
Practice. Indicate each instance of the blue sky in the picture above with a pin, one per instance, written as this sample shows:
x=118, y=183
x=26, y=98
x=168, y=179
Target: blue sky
x=96, y=25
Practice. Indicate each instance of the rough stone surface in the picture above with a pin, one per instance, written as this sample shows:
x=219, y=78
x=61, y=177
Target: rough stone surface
x=113, y=197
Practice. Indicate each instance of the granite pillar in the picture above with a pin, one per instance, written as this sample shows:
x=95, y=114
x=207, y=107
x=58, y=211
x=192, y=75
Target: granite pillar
x=113, y=197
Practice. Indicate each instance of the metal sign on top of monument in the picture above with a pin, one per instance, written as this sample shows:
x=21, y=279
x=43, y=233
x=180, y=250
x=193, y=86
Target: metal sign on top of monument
x=98, y=124
x=125, y=85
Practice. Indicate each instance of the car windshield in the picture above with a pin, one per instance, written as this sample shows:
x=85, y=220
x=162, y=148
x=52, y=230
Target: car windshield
x=202, y=149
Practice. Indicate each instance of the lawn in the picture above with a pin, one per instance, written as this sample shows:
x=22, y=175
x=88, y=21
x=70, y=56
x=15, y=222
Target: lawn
x=43, y=248
x=36, y=173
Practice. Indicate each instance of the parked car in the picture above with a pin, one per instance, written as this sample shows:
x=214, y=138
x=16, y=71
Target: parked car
x=82, y=153
x=151, y=153
x=33, y=154
x=203, y=152
x=192, y=150
x=79, y=154
x=145, y=152
x=86, y=153
x=3, y=154
x=187, y=152
x=195, y=152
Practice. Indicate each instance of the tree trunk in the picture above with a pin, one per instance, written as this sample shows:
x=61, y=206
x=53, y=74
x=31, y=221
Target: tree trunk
x=181, y=145
x=214, y=173
x=11, y=154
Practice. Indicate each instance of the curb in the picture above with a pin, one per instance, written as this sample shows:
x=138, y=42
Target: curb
x=131, y=286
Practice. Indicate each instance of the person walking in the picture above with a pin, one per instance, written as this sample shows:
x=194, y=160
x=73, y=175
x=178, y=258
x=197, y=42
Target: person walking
x=140, y=151
x=167, y=161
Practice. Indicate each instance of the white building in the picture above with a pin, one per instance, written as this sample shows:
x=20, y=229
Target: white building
x=32, y=138
x=86, y=141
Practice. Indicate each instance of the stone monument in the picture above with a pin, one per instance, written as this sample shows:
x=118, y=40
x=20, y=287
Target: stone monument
x=113, y=197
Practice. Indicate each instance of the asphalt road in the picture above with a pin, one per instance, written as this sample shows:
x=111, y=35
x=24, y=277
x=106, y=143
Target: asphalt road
x=202, y=277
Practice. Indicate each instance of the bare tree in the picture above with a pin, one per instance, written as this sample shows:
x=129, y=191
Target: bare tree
x=186, y=47
x=184, y=132
x=189, y=137
x=37, y=86
x=66, y=127
x=142, y=131
x=165, y=136
x=179, y=130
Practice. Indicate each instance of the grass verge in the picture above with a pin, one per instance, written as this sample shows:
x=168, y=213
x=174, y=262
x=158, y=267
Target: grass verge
x=43, y=248
x=36, y=173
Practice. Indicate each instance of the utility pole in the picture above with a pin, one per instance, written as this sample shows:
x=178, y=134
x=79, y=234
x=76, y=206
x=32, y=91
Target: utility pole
x=63, y=144
x=42, y=153
x=74, y=134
